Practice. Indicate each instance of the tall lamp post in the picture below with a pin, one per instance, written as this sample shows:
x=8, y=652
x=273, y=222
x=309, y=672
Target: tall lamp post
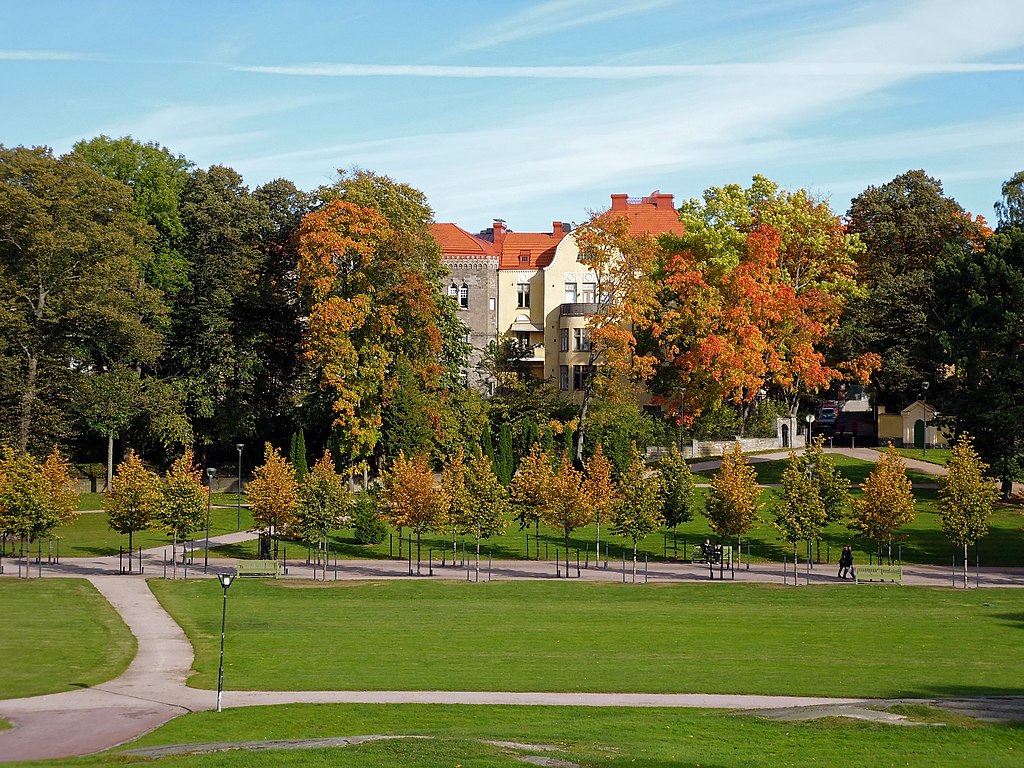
x=210, y=474
x=924, y=409
x=238, y=488
x=225, y=582
x=810, y=420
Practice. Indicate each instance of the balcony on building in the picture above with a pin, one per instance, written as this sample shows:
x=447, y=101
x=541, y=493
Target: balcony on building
x=579, y=309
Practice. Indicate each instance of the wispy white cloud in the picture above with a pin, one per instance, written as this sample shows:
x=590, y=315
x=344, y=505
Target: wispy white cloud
x=43, y=56
x=643, y=72
x=555, y=16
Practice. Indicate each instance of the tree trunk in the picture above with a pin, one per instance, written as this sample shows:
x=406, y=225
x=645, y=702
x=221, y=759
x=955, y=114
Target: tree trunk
x=634, y=561
x=478, y=553
x=597, y=551
x=130, y=551
x=965, y=565
x=28, y=399
x=110, y=459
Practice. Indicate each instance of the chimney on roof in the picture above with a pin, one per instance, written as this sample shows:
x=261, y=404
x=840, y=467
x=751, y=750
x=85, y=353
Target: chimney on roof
x=663, y=201
x=556, y=228
x=619, y=202
x=499, y=232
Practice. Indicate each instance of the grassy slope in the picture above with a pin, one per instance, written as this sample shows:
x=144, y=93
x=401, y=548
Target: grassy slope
x=59, y=634
x=653, y=738
x=558, y=636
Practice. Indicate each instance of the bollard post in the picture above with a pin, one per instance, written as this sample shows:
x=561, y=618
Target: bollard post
x=586, y=563
x=977, y=569
x=785, y=575
x=558, y=564
x=645, y=568
x=623, y=566
x=120, y=558
x=430, y=561
x=808, y=570
x=284, y=552
x=165, y=562
x=488, y=563
x=577, y=563
x=953, y=572
x=142, y=568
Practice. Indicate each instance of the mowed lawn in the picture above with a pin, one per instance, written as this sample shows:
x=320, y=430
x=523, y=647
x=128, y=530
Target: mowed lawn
x=58, y=635
x=456, y=736
x=871, y=641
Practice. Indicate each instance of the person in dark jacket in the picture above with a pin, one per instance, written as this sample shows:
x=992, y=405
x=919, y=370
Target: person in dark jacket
x=845, y=562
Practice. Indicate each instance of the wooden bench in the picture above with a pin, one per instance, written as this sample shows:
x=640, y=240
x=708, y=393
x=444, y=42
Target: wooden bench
x=258, y=568
x=892, y=573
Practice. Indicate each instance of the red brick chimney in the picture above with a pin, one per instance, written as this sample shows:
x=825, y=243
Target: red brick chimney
x=663, y=201
x=499, y=232
x=556, y=228
x=619, y=202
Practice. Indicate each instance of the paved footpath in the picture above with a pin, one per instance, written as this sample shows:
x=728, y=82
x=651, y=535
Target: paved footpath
x=153, y=689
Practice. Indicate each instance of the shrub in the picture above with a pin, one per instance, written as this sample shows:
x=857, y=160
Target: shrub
x=366, y=521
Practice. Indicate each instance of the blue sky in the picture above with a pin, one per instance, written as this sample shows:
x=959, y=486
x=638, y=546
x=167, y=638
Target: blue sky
x=535, y=111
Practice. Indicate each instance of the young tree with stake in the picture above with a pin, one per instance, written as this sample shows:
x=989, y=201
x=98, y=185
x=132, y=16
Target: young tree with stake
x=637, y=512
x=966, y=497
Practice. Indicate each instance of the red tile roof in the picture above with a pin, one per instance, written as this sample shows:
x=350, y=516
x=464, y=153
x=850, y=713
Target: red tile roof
x=655, y=213
x=457, y=242
x=529, y=250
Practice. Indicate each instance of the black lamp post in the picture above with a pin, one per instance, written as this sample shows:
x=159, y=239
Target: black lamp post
x=238, y=489
x=210, y=474
x=225, y=582
x=924, y=408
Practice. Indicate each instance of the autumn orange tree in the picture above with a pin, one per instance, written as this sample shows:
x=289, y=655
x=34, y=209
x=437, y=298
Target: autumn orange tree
x=751, y=293
x=411, y=498
x=887, y=503
x=380, y=336
x=273, y=495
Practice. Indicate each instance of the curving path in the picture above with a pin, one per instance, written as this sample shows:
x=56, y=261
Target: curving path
x=153, y=689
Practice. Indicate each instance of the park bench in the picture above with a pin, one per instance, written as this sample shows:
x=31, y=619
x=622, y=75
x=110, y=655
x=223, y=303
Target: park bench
x=892, y=573
x=258, y=568
x=697, y=554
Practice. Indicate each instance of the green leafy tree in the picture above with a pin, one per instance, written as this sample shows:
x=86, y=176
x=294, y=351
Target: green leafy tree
x=1010, y=210
x=297, y=455
x=601, y=488
x=637, y=513
x=486, y=444
x=456, y=499
x=905, y=225
x=71, y=295
x=833, y=489
x=966, y=497
x=367, y=524
x=183, y=500
x=134, y=499
x=273, y=495
x=980, y=329
x=504, y=460
x=34, y=498
x=323, y=500
x=887, y=503
x=800, y=513
x=156, y=178
x=679, y=502
x=732, y=504
x=488, y=509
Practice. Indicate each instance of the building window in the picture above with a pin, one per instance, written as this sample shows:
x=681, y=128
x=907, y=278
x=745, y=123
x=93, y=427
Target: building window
x=570, y=293
x=563, y=342
x=580, y=340
x=464, y=296
x=453, y=291
x=492, y=303
x=563, y=377
x=523, y=292
x=589, y=293
x=581, y=375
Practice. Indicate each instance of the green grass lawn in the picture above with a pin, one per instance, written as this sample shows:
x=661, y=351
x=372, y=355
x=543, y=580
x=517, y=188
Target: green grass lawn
x=559, y=636
x=938, y=456
x=58, y=635
x=587, y=736
x=89, y=535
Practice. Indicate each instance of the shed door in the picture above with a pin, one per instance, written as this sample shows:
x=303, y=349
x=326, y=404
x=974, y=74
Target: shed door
x=919, y=433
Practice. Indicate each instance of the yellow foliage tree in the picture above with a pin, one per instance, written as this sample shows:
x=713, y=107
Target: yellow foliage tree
x=601, y=488
x=134, y=498
x=732, y=506
x=966, y=497
x=411, y=497
x=273, y=494
x=567, y=505
x=887, y=503
x=528, y=488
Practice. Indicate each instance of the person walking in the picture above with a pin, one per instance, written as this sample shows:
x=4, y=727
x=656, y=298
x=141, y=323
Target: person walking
x=845, y=562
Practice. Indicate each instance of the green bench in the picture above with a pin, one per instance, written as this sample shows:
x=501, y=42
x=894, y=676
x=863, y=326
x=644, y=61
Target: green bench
x=878, y=573
x=258, y=568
